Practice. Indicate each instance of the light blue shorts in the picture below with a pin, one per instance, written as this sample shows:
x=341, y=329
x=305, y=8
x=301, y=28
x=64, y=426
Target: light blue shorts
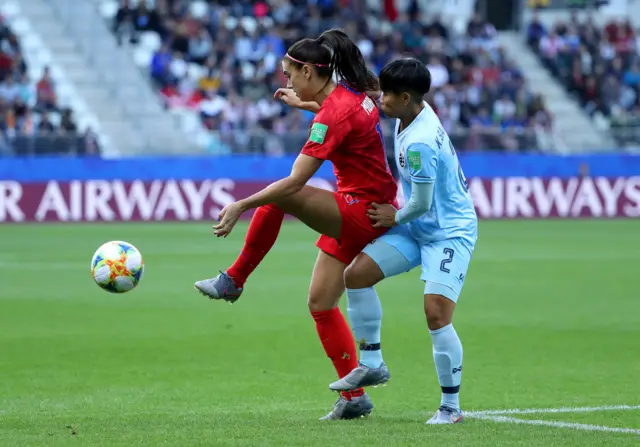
x=444, y=263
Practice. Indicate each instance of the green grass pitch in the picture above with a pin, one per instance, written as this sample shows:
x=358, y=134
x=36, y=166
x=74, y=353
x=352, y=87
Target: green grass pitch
x=549, y=318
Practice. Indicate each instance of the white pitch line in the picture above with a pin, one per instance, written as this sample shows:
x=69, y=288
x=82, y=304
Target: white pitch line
x=570, y=425
x=552, y=410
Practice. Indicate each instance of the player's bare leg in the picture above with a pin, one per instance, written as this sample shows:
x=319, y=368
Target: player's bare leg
x=325, y=290
x=447, y=356
x=315, y=207
x=365, y=315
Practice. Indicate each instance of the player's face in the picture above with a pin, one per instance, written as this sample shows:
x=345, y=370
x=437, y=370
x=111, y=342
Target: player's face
x=298, y=79
x=393, y=104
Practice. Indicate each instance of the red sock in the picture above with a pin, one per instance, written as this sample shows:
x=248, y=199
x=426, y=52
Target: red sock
x=338, y=343
x=261, y=235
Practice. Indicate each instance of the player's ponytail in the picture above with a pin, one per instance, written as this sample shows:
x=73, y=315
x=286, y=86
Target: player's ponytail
x=347, y=61
x=334, y=52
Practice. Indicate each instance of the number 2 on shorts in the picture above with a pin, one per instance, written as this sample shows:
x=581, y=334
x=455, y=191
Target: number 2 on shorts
x=443, y=265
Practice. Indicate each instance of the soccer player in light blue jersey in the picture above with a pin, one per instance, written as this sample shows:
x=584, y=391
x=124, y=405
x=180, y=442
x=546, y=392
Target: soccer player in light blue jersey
x=436, y=229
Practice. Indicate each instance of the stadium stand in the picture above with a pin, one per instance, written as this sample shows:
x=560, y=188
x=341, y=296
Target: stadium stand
x=221, y=61
x=32, y=120
x=599, y=65
x=215, y=64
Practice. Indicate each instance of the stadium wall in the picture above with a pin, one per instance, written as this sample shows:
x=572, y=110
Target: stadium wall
x=153, y=189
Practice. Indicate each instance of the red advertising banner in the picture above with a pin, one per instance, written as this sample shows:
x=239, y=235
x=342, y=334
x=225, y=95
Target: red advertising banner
x=113, y=200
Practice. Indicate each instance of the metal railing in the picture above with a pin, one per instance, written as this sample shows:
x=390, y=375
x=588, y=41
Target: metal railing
x=260, y=141
x=47, y=144
x=266, y=142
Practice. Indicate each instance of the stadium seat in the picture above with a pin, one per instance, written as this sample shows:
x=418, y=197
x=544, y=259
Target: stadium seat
x=20, y=27
x=230, y=23
x=150, y=40
x=9, y=9
x=142, y=57
x=198, y=9
x=190, y=121
x=249, y=24
x=109, y=9
x=196, y=71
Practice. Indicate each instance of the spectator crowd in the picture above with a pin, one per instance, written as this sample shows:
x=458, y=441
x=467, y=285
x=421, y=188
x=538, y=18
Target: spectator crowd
x=223, y=60
x=600, y=66
x=30, y=119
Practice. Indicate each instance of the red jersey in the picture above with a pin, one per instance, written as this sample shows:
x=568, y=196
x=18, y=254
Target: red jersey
x=346, y=131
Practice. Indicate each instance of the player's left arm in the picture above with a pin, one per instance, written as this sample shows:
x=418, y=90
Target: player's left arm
x=423, y=166
x=325, y=138
x=303, y=169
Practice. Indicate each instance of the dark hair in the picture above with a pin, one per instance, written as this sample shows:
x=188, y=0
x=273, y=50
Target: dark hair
x=335, y=52
x=407, y=75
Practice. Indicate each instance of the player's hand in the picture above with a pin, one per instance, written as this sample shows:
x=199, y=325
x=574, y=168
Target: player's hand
x=374, y=94
x=289, y=97
x=228, y=218
x=382, y=215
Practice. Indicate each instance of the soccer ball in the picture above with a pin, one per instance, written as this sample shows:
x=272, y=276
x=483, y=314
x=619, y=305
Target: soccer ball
x=117, y=266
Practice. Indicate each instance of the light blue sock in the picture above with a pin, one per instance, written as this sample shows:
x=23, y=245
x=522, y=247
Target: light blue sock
x=447, y=355
x=365, y=315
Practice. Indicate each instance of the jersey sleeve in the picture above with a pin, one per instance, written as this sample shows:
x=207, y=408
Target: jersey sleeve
x=325, y=136
x=423, y=163
x=418, y=204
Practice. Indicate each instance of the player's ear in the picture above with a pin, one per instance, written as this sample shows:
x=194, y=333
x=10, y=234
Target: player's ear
x=406, y=98
x=306, y=72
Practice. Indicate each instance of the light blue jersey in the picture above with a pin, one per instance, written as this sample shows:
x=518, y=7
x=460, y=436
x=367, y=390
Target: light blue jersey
x=442, y=238
x=424, y=154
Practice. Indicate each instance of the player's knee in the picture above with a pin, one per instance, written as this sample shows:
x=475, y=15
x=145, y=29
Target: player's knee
x=438, y=310
x=362, y=272
x=436, y=318
x=327, y=285
x=321, y=302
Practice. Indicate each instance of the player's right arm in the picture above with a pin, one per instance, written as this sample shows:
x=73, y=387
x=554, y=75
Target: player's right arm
x=423, y=165
x=288, y=96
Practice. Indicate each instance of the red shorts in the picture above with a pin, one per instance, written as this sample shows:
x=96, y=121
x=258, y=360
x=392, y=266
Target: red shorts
x=357, y=229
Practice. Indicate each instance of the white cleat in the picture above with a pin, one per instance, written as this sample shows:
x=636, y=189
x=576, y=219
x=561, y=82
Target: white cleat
x=446, y=415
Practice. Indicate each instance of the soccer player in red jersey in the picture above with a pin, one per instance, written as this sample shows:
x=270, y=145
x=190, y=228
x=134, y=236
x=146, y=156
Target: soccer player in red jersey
x=345, y=131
